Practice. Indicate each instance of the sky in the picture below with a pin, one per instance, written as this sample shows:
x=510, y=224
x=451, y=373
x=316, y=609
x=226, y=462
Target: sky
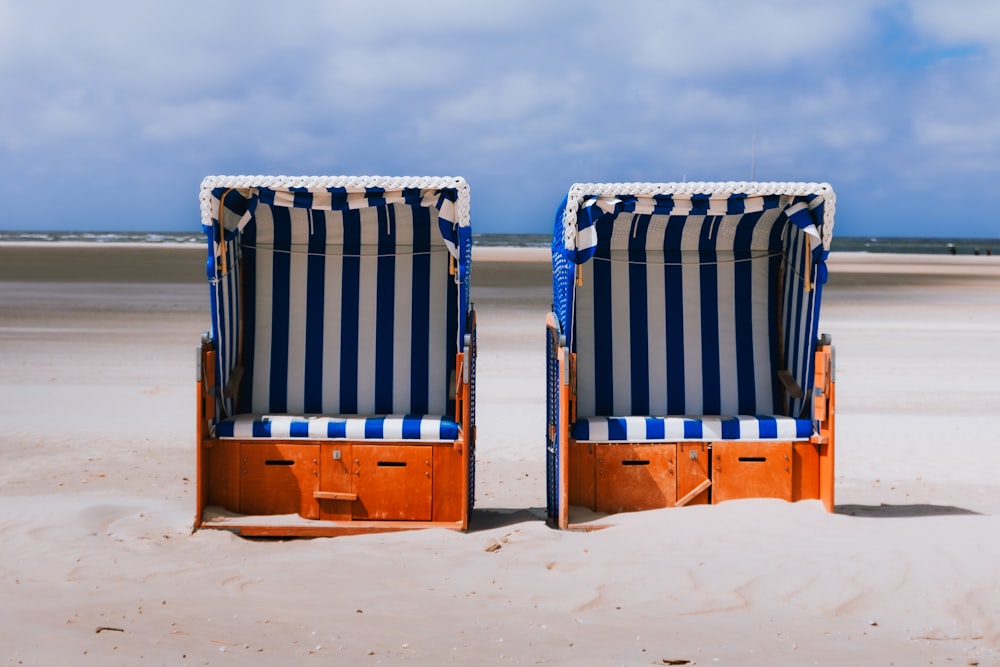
x=112, y=112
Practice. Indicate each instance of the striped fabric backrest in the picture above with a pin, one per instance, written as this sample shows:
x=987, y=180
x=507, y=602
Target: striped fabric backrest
x=346, y=312
x=682, y=314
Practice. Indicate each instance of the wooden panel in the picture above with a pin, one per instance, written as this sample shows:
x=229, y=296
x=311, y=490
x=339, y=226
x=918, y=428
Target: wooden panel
x=582, y=475
x=393, y=482
x=693, y=461
x=751, y=470
x=805, y=471
x=449, y=487
x=634, y=477
x=279, y=478
x=335, y=476
x=222, y=465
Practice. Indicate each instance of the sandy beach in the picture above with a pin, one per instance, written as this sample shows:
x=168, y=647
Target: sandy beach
x=99, y=565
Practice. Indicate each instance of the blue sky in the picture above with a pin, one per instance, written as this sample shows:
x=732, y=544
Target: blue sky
x=111, y=113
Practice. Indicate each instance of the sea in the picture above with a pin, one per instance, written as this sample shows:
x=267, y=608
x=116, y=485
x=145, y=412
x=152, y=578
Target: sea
x=887, y=244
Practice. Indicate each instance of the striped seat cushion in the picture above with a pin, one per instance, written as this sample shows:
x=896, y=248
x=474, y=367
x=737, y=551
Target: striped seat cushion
x=339, y=427
x=698, y=429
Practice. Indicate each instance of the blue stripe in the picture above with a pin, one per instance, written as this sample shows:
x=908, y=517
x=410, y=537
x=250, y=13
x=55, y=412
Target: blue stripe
x=420, y=311
x=261, y=429
x=301, y=198
x=803, y=428
x=616, y=429
x=411, y=427
x=655, y=429
x=709, y=297
x=794, y=279
x=693, y=429
x=452, y=334
x=281, y=261
x=248, y=285
x=349, y=305
x=768, y=427
x=743, y=270
x=638, y=316
x=298, y=429
x=603, y=324
x=336, y=429
x=315, y=309
x=385, y=308
x=730, y=429
x=674, y=288
x=374, y=427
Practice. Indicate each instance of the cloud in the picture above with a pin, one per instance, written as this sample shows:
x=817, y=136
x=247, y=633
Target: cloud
x=520, y=94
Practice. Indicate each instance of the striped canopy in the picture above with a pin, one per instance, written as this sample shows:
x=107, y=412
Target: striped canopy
x=689, y=298
x=333, y=295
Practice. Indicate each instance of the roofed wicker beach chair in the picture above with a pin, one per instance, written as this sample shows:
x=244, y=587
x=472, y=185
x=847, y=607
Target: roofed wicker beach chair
x=684, y=360
x=335, y=389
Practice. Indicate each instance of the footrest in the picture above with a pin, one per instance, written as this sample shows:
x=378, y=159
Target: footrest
x=334, y=495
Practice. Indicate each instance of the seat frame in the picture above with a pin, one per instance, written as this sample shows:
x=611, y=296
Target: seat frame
x=324, y=487
x=591, y=479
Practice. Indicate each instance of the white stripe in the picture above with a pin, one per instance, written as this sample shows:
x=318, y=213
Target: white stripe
x=317, y=426
x=726, y=298
x=764, y=375
x=392, y=427
x=691, y=281
x=367, y=312
x=711, y=428
x=264, y=284
x=621, y=317
x=403, y=309
x=749, y=428
x=333, y=267
x=355, y=429
x=297, y=286
x=586, y=354
x=656, y=313
x=437, y=353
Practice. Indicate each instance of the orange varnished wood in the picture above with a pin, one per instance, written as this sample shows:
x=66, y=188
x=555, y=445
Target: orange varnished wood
x=751, y=470
x=805, y=471
x=279, y=478
x=222, y=466
x=449, y=491
x=336, y=476
x=692, y=473
x=825, y=410
x=582, y=475
x=633, y=477
x=392, y=482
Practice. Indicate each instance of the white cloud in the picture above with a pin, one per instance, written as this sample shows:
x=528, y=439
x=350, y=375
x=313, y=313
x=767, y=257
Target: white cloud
x=958, y=22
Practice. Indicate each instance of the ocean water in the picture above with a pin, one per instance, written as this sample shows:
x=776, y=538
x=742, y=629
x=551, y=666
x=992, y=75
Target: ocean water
x=934, y=246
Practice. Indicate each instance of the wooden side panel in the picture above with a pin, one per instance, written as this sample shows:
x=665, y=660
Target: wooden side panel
x=692, y=472
x=449, y=489
x=279, y=478
x=582, y=474
x=393, y=482
x=222, y=464
x=805, y=471
x=633, y=477
x=751, y=470
x=336, y=477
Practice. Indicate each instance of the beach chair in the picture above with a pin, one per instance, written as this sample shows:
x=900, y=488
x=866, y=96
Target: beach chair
x=336, y=387
x=684, y=360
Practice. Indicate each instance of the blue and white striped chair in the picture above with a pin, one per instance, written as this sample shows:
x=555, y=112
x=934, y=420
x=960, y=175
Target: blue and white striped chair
x=683, y=345
x=337, y=381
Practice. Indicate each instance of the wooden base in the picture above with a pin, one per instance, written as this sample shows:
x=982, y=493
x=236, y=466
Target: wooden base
x=608, y=478
x=274, y=488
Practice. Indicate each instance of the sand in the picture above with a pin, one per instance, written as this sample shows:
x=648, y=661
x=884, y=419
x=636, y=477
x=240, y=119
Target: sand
x=98, y=563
